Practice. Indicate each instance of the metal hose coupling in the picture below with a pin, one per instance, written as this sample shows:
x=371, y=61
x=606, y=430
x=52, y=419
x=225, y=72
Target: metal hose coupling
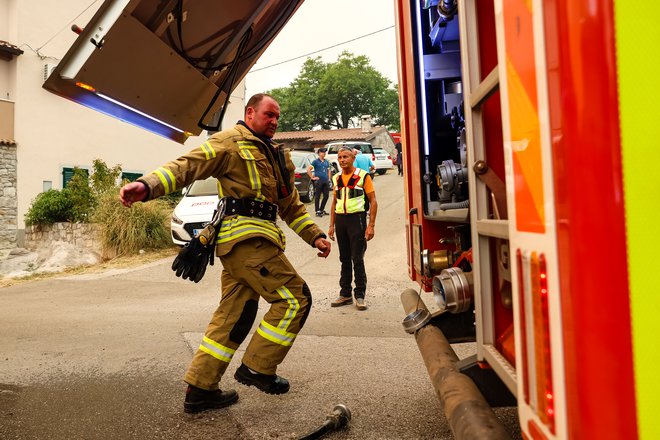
x=339, y=418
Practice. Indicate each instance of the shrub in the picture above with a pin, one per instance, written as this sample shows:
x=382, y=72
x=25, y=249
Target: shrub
x=126, y=231
x=80, y=194
x=49, y=207
x=104, y=179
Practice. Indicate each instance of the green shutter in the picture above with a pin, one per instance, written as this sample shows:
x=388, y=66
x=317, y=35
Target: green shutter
x=131, y=177
x=67, y=174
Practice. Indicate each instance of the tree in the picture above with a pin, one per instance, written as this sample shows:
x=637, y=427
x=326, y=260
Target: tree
x=335, y=95
x=298, y=102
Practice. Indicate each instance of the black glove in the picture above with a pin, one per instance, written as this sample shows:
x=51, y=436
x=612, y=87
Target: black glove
x=192, y=260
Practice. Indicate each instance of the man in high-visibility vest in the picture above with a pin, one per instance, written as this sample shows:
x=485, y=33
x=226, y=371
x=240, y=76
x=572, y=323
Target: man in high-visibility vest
x=353, y=196
x=255, y=184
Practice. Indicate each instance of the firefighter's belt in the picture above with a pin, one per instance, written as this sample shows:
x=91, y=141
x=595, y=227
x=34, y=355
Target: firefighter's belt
x=251, y=208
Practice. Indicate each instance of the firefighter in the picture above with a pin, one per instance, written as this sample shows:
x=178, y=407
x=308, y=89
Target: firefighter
x=256, y=182
x=353, y=196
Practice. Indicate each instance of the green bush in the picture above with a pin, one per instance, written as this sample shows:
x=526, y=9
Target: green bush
x=49, y=207
x=126, y=231
x=104, y=179
x=83, y=200
x=75, y=203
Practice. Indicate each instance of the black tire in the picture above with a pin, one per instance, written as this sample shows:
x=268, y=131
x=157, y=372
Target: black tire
x=310, y=193
x=381, y=172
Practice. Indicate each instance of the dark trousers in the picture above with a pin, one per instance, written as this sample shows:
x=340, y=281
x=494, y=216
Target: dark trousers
x=321, y=188
x=349, y=229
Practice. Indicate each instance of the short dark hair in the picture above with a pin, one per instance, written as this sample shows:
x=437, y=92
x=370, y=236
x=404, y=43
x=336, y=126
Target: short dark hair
x=255, y=100
x=322, y=150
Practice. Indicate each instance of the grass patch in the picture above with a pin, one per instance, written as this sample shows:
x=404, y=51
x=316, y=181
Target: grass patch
x=126, y=231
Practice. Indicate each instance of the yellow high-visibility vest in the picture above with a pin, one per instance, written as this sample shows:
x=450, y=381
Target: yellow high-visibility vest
x=350, y=197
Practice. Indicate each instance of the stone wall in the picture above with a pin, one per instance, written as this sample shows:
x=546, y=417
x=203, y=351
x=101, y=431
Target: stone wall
x=8, y=200
x=384, y=140
x=81, y=235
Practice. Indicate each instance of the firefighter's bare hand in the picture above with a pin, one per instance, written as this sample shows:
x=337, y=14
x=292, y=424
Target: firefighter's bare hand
x=331, y=232
x=133, y=192
x=369, y=233
x=323, y=245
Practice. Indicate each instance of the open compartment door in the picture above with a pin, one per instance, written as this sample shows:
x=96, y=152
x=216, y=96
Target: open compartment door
x=167, y=65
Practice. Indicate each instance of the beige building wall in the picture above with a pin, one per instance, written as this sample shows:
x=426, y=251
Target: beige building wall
x=7, y=33
x=52, y=132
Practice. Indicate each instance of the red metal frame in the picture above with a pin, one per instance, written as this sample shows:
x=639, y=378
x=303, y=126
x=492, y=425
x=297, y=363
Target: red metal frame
x=432, y=231
x=584, y=122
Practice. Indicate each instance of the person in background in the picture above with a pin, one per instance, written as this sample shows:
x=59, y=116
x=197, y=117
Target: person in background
x=363, y=161
x=353, y=196
x=319, y=171
x=399, y=158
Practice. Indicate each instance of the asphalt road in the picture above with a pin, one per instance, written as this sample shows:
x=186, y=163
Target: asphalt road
x=102, y=356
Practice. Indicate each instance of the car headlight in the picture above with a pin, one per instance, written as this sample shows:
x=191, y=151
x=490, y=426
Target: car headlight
x=176, y=219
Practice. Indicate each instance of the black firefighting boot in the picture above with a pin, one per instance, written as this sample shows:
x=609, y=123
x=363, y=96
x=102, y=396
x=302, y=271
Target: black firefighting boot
x=268, y=383
x=198, y=400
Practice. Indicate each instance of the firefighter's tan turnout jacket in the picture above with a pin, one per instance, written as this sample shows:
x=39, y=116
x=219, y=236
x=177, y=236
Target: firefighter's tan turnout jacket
x=237, y=158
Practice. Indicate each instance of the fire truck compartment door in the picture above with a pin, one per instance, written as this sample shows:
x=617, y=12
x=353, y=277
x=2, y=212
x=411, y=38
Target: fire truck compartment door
x=167, y=65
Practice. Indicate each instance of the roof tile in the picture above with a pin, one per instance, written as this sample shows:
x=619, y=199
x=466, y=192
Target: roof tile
x=347, y=134
x=8, y=47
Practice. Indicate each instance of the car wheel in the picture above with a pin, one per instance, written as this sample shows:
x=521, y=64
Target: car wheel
x=381, y=172
x=310, y=193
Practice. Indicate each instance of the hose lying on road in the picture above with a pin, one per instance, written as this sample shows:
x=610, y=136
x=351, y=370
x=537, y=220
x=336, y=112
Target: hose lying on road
x=339, y=418
x=468, y=413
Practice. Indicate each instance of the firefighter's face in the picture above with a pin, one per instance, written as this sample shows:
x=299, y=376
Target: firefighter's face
x=262, y=118
x=345, y=159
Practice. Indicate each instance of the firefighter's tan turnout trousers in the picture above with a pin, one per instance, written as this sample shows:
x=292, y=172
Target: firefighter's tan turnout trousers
x=253, y=268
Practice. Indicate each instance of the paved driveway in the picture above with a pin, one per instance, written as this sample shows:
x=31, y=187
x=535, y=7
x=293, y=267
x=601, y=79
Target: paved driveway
x=101, y=356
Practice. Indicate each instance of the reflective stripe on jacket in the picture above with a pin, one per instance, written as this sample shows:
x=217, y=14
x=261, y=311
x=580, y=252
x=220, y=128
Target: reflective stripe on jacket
x=350, y=198
x=245, y=168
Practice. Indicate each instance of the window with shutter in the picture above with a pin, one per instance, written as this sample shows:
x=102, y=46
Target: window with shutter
x=131, y=177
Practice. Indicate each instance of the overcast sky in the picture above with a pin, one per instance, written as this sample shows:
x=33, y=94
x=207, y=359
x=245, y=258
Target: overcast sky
x=319, y=24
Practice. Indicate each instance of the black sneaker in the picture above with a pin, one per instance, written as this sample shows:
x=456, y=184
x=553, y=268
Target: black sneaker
x=268, y=383
x=319, y=214
x=325, y=213
x=198, y=400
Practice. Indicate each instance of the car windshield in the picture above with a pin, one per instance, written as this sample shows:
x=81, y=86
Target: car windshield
x=297, y=160
x=379, y=151
x=208, y=187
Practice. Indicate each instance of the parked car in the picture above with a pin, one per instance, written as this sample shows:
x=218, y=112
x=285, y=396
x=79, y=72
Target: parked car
x=383, y=161
x=333, y=149
x=304, y=184
x=195, y=208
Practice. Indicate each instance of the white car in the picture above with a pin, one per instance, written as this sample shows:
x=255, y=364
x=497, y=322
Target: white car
x=195, y=208
x=333, y=149
x=383, y=161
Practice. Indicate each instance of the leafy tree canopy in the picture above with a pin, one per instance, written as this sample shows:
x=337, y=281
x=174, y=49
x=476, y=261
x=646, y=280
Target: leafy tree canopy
x=335, y=95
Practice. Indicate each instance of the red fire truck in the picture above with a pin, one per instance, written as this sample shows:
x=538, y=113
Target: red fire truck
x=526, y=126
x=524, y=132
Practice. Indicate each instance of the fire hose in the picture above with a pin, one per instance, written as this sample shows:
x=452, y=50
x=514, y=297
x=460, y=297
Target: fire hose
x=339, y=418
